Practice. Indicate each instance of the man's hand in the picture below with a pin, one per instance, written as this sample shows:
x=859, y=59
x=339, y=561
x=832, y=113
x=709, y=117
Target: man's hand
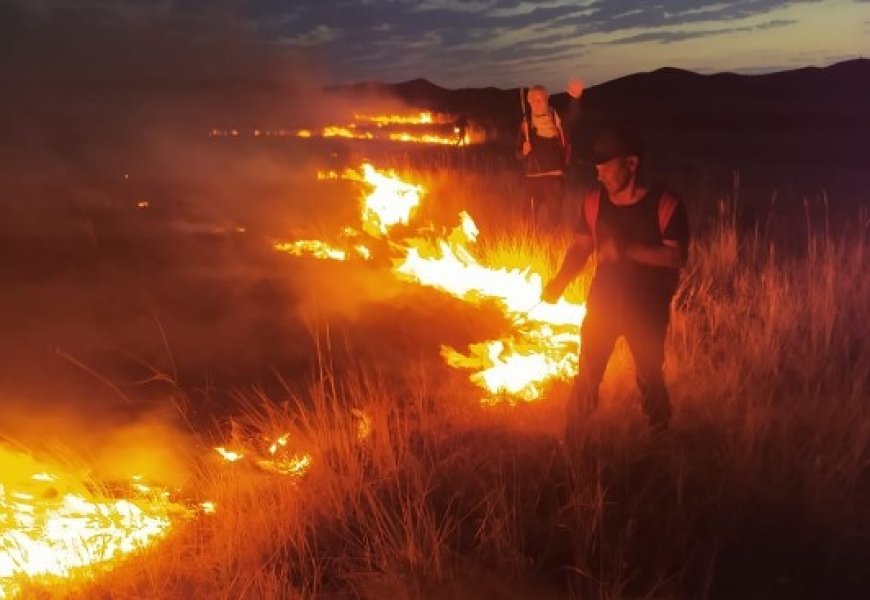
x=552, y=291
x=575, y=88
x=527, y=148
x=608, y=251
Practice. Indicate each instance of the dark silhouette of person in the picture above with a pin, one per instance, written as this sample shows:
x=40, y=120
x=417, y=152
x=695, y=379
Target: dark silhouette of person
x=544, y=143
x=639, y=235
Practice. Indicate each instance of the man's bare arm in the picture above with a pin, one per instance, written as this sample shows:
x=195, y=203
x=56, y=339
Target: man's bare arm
x=669, y=254
x=575, y=259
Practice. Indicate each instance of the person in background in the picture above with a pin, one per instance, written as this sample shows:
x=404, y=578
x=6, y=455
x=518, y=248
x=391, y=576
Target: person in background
x=543, y=142
x=460, y=130
x=640, y=236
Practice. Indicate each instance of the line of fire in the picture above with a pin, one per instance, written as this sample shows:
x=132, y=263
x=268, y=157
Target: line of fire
x=58, y=527
x=418, y=127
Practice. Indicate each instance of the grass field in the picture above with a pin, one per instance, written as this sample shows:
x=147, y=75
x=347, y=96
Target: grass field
x=760, y=489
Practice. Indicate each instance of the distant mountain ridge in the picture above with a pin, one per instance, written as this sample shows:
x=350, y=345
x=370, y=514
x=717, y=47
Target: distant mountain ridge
x=829, y=107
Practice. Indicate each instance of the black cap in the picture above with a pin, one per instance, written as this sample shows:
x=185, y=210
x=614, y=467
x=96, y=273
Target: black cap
x=612, y=143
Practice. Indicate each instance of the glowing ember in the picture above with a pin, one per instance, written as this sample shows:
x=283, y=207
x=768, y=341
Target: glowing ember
x=344, y=132
x=544, y=339
x=426, y=138
x=423, y=118
x=363, y=424
x=229, y=455
x=314, y=248
x=294, y=465
x=274, y=457
x=53, y=525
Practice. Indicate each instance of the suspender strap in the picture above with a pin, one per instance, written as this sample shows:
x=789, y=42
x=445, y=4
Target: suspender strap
x=667, y=206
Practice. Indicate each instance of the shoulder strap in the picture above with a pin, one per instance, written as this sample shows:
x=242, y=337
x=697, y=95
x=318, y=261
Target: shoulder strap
x=591, y=203
x=666, y=208
x=566, y=143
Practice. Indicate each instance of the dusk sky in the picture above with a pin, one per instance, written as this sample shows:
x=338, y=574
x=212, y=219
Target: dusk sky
x=462, y=43
x=505, y=43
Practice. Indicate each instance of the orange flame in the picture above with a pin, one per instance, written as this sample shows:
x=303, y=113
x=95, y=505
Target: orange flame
x=423, y=118
x=345, y=132
x=424, y=127
x=53, y=525
x=544, y=340
x=391, y=202
x=427, y=138
x=275, y=457
x=388, y=203
x=314, y=248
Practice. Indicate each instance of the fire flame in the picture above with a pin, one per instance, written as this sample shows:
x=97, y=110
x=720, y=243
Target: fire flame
x=544, y=340
x=423, y=118
x=424, y=127
x=274, y=457
x=428, y=138
x=53, y=525
x=390, y=203
x=345, y=132
x=314, y=248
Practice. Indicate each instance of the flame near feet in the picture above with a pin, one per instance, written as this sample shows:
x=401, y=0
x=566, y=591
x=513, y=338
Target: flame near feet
x=544, y=341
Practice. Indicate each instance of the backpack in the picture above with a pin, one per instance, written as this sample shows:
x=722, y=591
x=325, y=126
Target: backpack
x=667, y=204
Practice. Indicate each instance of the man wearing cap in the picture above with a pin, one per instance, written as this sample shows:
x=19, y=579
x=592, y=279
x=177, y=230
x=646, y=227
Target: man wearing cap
x=639, y=235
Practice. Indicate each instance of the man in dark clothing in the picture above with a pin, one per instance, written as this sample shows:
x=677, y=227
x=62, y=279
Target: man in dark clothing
x=460, y=128
x=543, y=143
x=640, y=238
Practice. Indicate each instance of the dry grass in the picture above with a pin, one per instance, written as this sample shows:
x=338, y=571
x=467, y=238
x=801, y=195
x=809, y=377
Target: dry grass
x=759, y=490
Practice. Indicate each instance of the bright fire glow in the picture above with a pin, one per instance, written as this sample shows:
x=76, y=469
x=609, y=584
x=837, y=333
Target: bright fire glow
x=424, y=127
x=388, y=202
x=391, y=202
x=543, y=341
x=345, y=132
x=229, y=455
x=275, y=456
x=314, y=248
x=423, y=118
x=428, y=138
x=53, y=524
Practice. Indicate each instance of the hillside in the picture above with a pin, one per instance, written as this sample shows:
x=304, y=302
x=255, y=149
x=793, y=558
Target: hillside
x=817, y=114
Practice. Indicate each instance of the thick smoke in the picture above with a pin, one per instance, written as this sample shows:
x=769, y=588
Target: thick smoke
x=139, y=282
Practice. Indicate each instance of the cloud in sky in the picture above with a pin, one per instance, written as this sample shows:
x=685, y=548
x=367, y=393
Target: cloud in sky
x=460, y=43
x=502, y=42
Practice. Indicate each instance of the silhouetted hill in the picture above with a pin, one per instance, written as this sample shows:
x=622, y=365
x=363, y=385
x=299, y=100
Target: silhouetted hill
x=836, y=95
x=817, y=114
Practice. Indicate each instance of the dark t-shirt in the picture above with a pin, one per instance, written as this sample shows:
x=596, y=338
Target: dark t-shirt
x=549, y=153
x=636, y=223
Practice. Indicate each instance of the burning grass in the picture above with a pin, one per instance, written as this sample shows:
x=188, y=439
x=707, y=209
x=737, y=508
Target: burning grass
x=387, y=478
